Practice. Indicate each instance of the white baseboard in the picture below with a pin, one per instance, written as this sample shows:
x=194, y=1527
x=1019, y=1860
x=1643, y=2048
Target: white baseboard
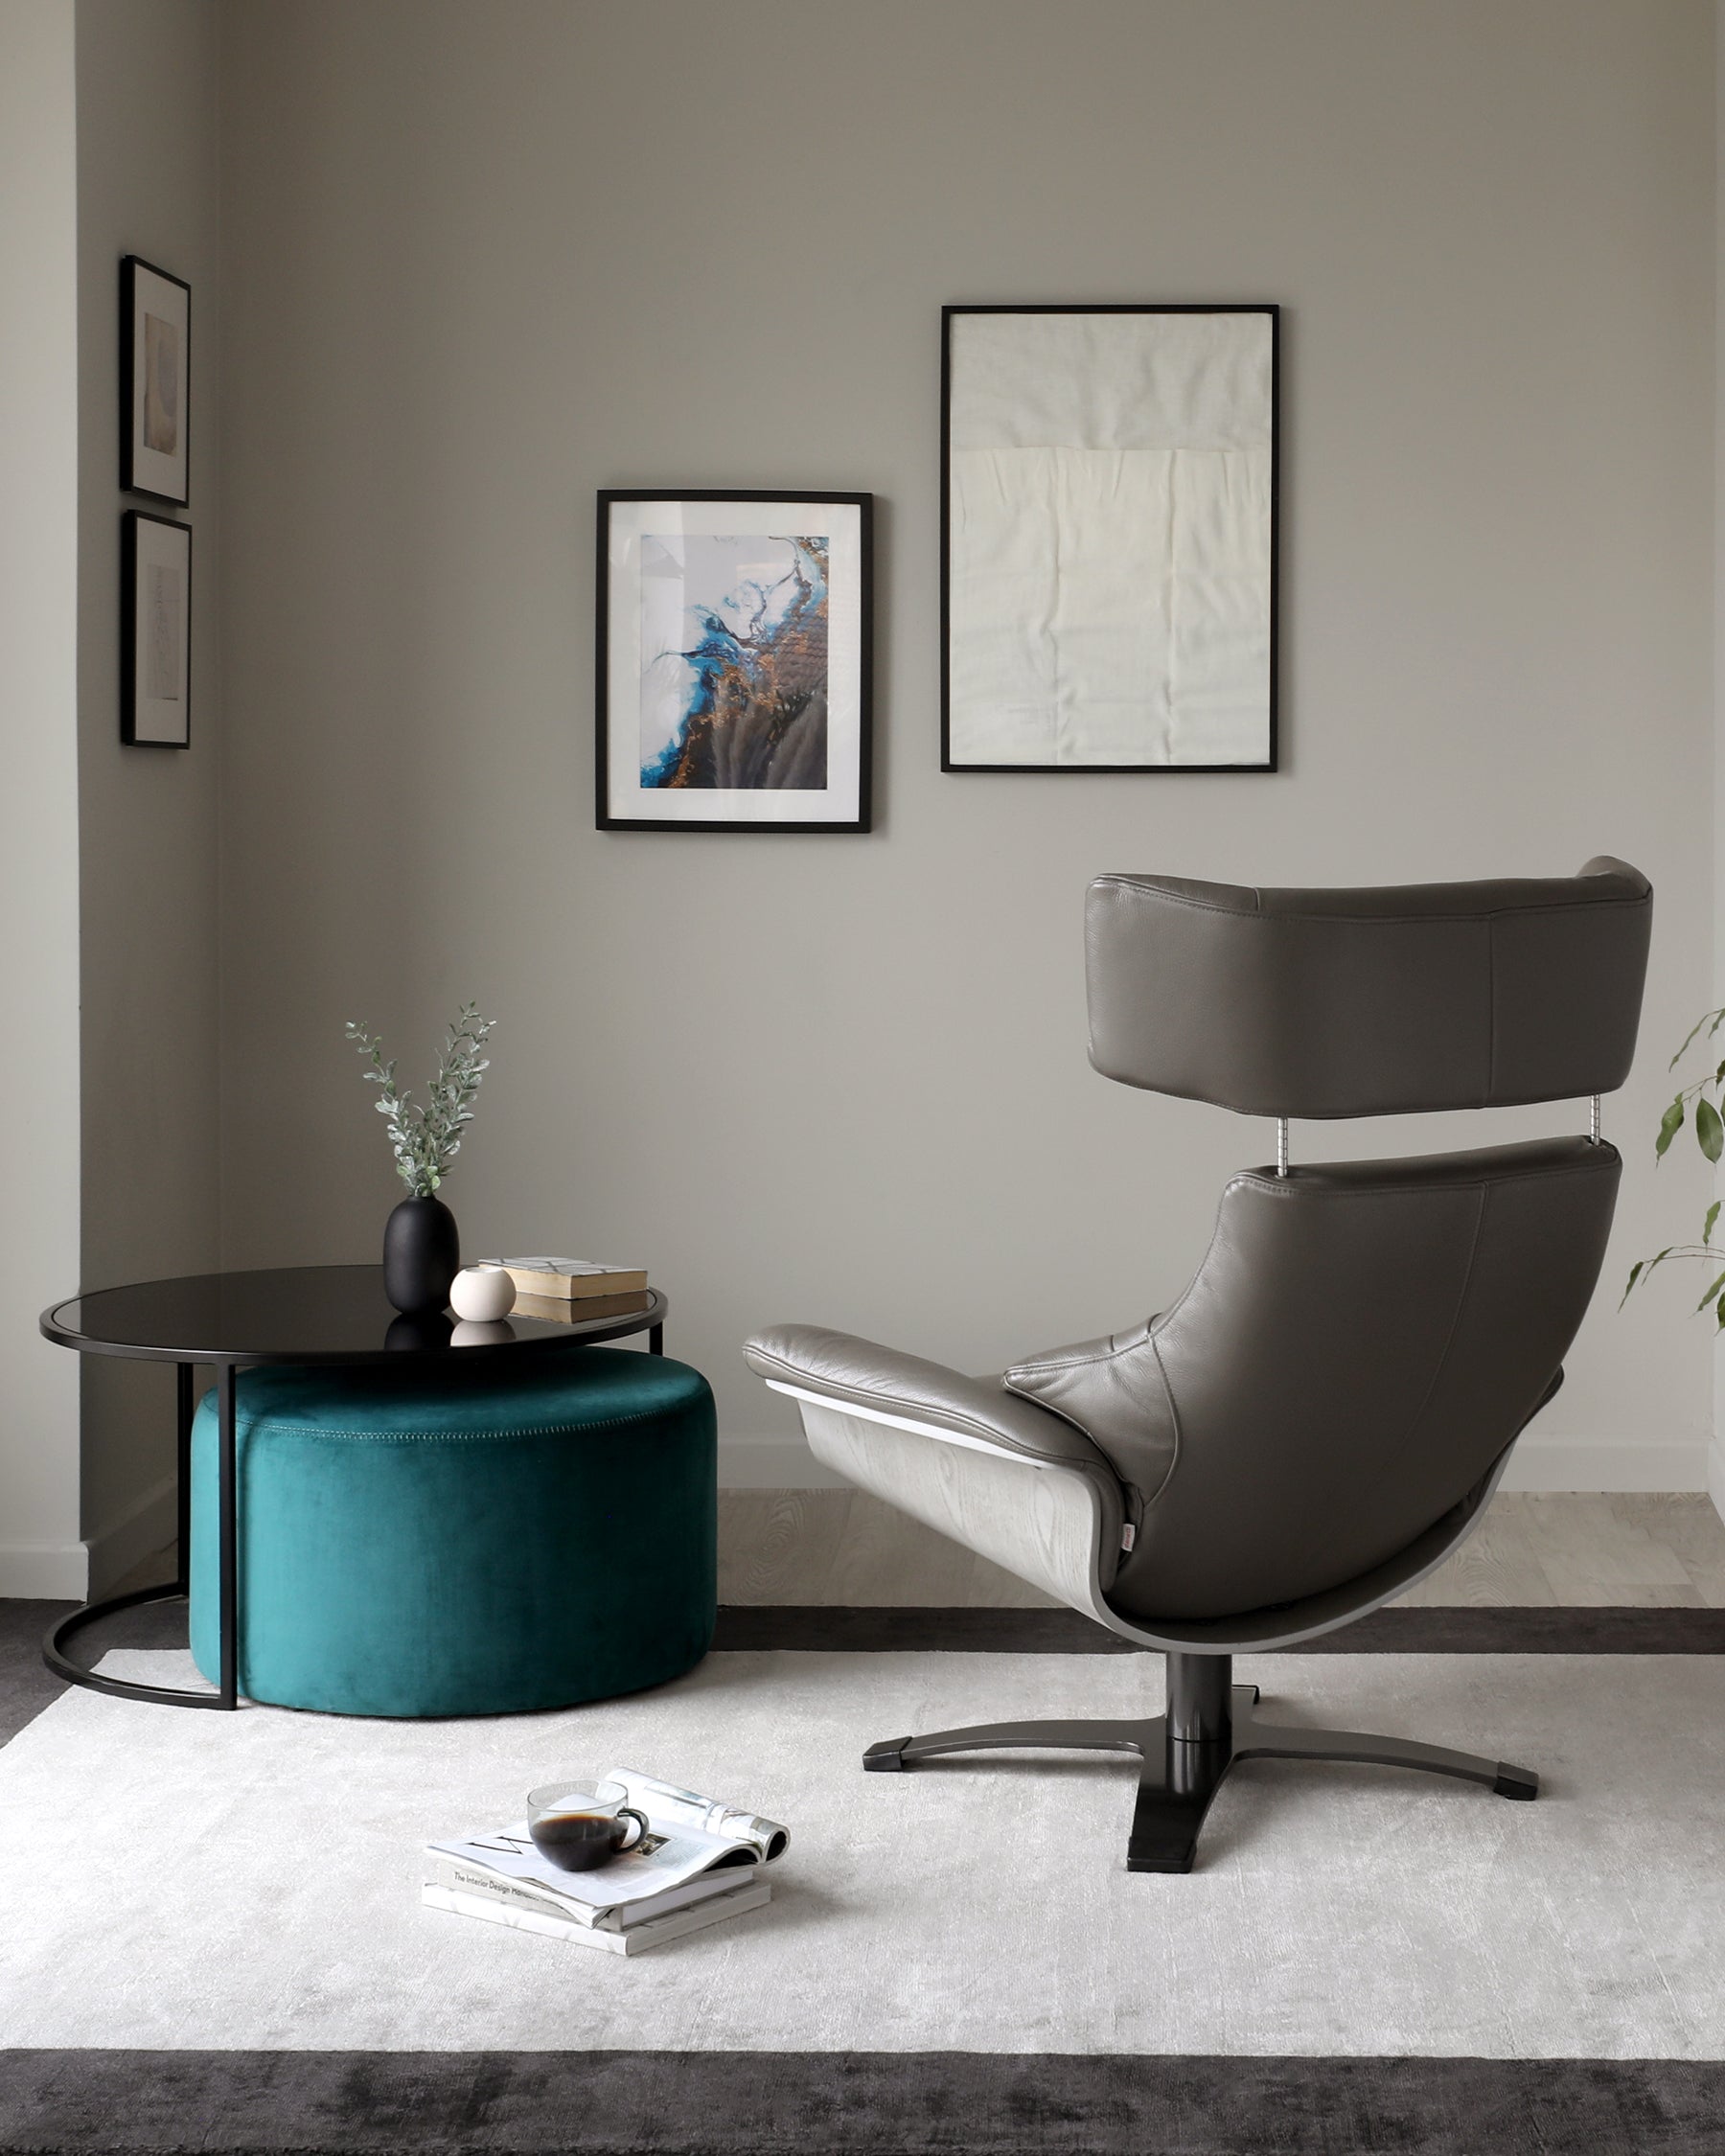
x=75, y=1571
x=44, y=1573
x=1539, y=1462
x=146, y=1524
x=773, y=1464
x=1549, y=1462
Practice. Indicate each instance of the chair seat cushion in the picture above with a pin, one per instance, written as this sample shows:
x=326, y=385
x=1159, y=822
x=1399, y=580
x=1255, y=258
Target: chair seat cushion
x=459, y=1540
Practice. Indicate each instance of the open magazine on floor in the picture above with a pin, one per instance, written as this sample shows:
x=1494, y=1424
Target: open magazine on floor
x=698, y=1848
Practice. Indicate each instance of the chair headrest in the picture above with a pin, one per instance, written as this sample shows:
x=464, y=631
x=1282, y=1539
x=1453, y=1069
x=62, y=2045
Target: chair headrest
x=1375, y=1002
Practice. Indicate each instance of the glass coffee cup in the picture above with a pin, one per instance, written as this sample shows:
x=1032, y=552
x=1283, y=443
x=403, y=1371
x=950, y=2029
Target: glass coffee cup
x=577, y=1825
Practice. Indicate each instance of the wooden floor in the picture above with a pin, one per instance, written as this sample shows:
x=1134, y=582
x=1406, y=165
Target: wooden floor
x=842, y=1547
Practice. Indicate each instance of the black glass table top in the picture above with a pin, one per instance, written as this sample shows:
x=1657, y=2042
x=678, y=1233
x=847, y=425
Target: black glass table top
x=302, y=1314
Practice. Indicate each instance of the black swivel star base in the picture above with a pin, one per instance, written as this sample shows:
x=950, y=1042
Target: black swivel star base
x=1185, y=1755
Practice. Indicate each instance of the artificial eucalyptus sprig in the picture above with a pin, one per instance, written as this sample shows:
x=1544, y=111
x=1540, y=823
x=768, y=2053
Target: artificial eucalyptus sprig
x=1709, y=1135
x=425, y=1140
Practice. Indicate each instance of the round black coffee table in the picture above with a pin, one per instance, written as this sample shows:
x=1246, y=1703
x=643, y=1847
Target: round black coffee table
x=300, y=1313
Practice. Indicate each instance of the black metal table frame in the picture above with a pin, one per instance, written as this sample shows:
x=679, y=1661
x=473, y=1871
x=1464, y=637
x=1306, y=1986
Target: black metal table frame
x=225, y=1698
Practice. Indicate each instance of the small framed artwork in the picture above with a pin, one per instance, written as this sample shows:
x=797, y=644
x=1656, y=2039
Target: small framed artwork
x=734, y=640
x=156, y=346
x=1109, y=539
x=155, y=639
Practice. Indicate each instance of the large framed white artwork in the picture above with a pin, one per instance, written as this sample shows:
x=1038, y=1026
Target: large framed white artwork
x=1109, y=511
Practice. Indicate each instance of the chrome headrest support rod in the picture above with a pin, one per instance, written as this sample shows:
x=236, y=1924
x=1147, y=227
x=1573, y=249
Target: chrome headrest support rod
x=1594, y=1134
x=1282, y=1145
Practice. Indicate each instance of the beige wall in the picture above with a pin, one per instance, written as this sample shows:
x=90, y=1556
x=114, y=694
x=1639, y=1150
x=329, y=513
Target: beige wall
x=40, y=1552
x=480, y=260
x=148, y=184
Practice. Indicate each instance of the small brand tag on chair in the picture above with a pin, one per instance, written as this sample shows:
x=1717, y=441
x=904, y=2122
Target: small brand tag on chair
x=1128, y=1535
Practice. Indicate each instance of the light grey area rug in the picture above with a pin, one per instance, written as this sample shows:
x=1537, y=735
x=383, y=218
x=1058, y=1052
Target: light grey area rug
x=191, y=1882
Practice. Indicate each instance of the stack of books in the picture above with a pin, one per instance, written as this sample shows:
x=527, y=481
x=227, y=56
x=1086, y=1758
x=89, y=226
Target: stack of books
x=565, y=1289
x=702, y=1861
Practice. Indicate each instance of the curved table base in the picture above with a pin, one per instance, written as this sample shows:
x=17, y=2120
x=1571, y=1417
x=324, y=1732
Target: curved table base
x=1185, y=1755
x=226, y=1694
x=55, y=1656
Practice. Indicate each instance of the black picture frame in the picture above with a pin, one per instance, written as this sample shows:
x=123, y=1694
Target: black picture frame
x=144, y=723
x=948, y=315
x=146, y=466
x=853, y=708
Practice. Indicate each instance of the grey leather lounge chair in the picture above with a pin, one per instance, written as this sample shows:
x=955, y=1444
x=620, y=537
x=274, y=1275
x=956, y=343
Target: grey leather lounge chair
x=1321, y=1416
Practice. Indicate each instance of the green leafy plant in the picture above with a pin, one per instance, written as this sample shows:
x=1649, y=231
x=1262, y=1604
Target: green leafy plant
x=427, y=1138
x=1705, y=1096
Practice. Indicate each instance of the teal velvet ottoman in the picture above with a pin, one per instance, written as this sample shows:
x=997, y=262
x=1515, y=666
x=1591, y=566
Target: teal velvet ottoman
x=463, y=1542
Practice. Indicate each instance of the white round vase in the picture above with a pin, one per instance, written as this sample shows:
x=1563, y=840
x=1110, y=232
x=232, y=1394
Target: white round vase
x=483, y=1293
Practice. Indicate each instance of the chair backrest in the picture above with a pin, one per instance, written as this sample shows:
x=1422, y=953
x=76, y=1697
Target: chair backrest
x=1363, y=1340
x=1358, y=1346
x=1369, y=1002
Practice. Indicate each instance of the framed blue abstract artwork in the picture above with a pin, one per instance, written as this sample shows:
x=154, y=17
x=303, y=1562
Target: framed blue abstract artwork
x=1109, y=510
x=734, y=635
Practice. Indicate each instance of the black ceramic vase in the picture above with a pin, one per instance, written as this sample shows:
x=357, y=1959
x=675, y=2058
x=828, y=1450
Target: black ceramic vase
x=422, y=1254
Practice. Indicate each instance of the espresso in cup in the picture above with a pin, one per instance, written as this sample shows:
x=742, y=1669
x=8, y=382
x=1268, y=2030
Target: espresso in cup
x=577, y=1828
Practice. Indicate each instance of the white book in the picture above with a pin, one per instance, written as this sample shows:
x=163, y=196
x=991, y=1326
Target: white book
x=465, y=1878
x=636, y=1939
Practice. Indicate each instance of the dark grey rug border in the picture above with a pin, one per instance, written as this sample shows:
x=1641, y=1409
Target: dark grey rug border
x=847, y=2104
x=1425, y=1631
x=26, y=1688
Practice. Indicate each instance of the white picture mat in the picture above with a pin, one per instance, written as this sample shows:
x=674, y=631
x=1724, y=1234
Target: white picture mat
x=1110, y=483
x=152, y=472
x=162, y=631
x=632, y=522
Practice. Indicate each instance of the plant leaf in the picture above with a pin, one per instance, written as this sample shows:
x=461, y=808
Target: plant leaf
x=1659, y=1260
x=1717, y=1017
x=1712, y=1214
x=1643, y=1266
x=1712, y=1293
x=1669, y=1124
x=1710, y=1132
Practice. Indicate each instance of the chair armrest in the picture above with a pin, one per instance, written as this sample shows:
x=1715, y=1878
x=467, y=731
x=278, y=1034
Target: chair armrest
x=859, y=1373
